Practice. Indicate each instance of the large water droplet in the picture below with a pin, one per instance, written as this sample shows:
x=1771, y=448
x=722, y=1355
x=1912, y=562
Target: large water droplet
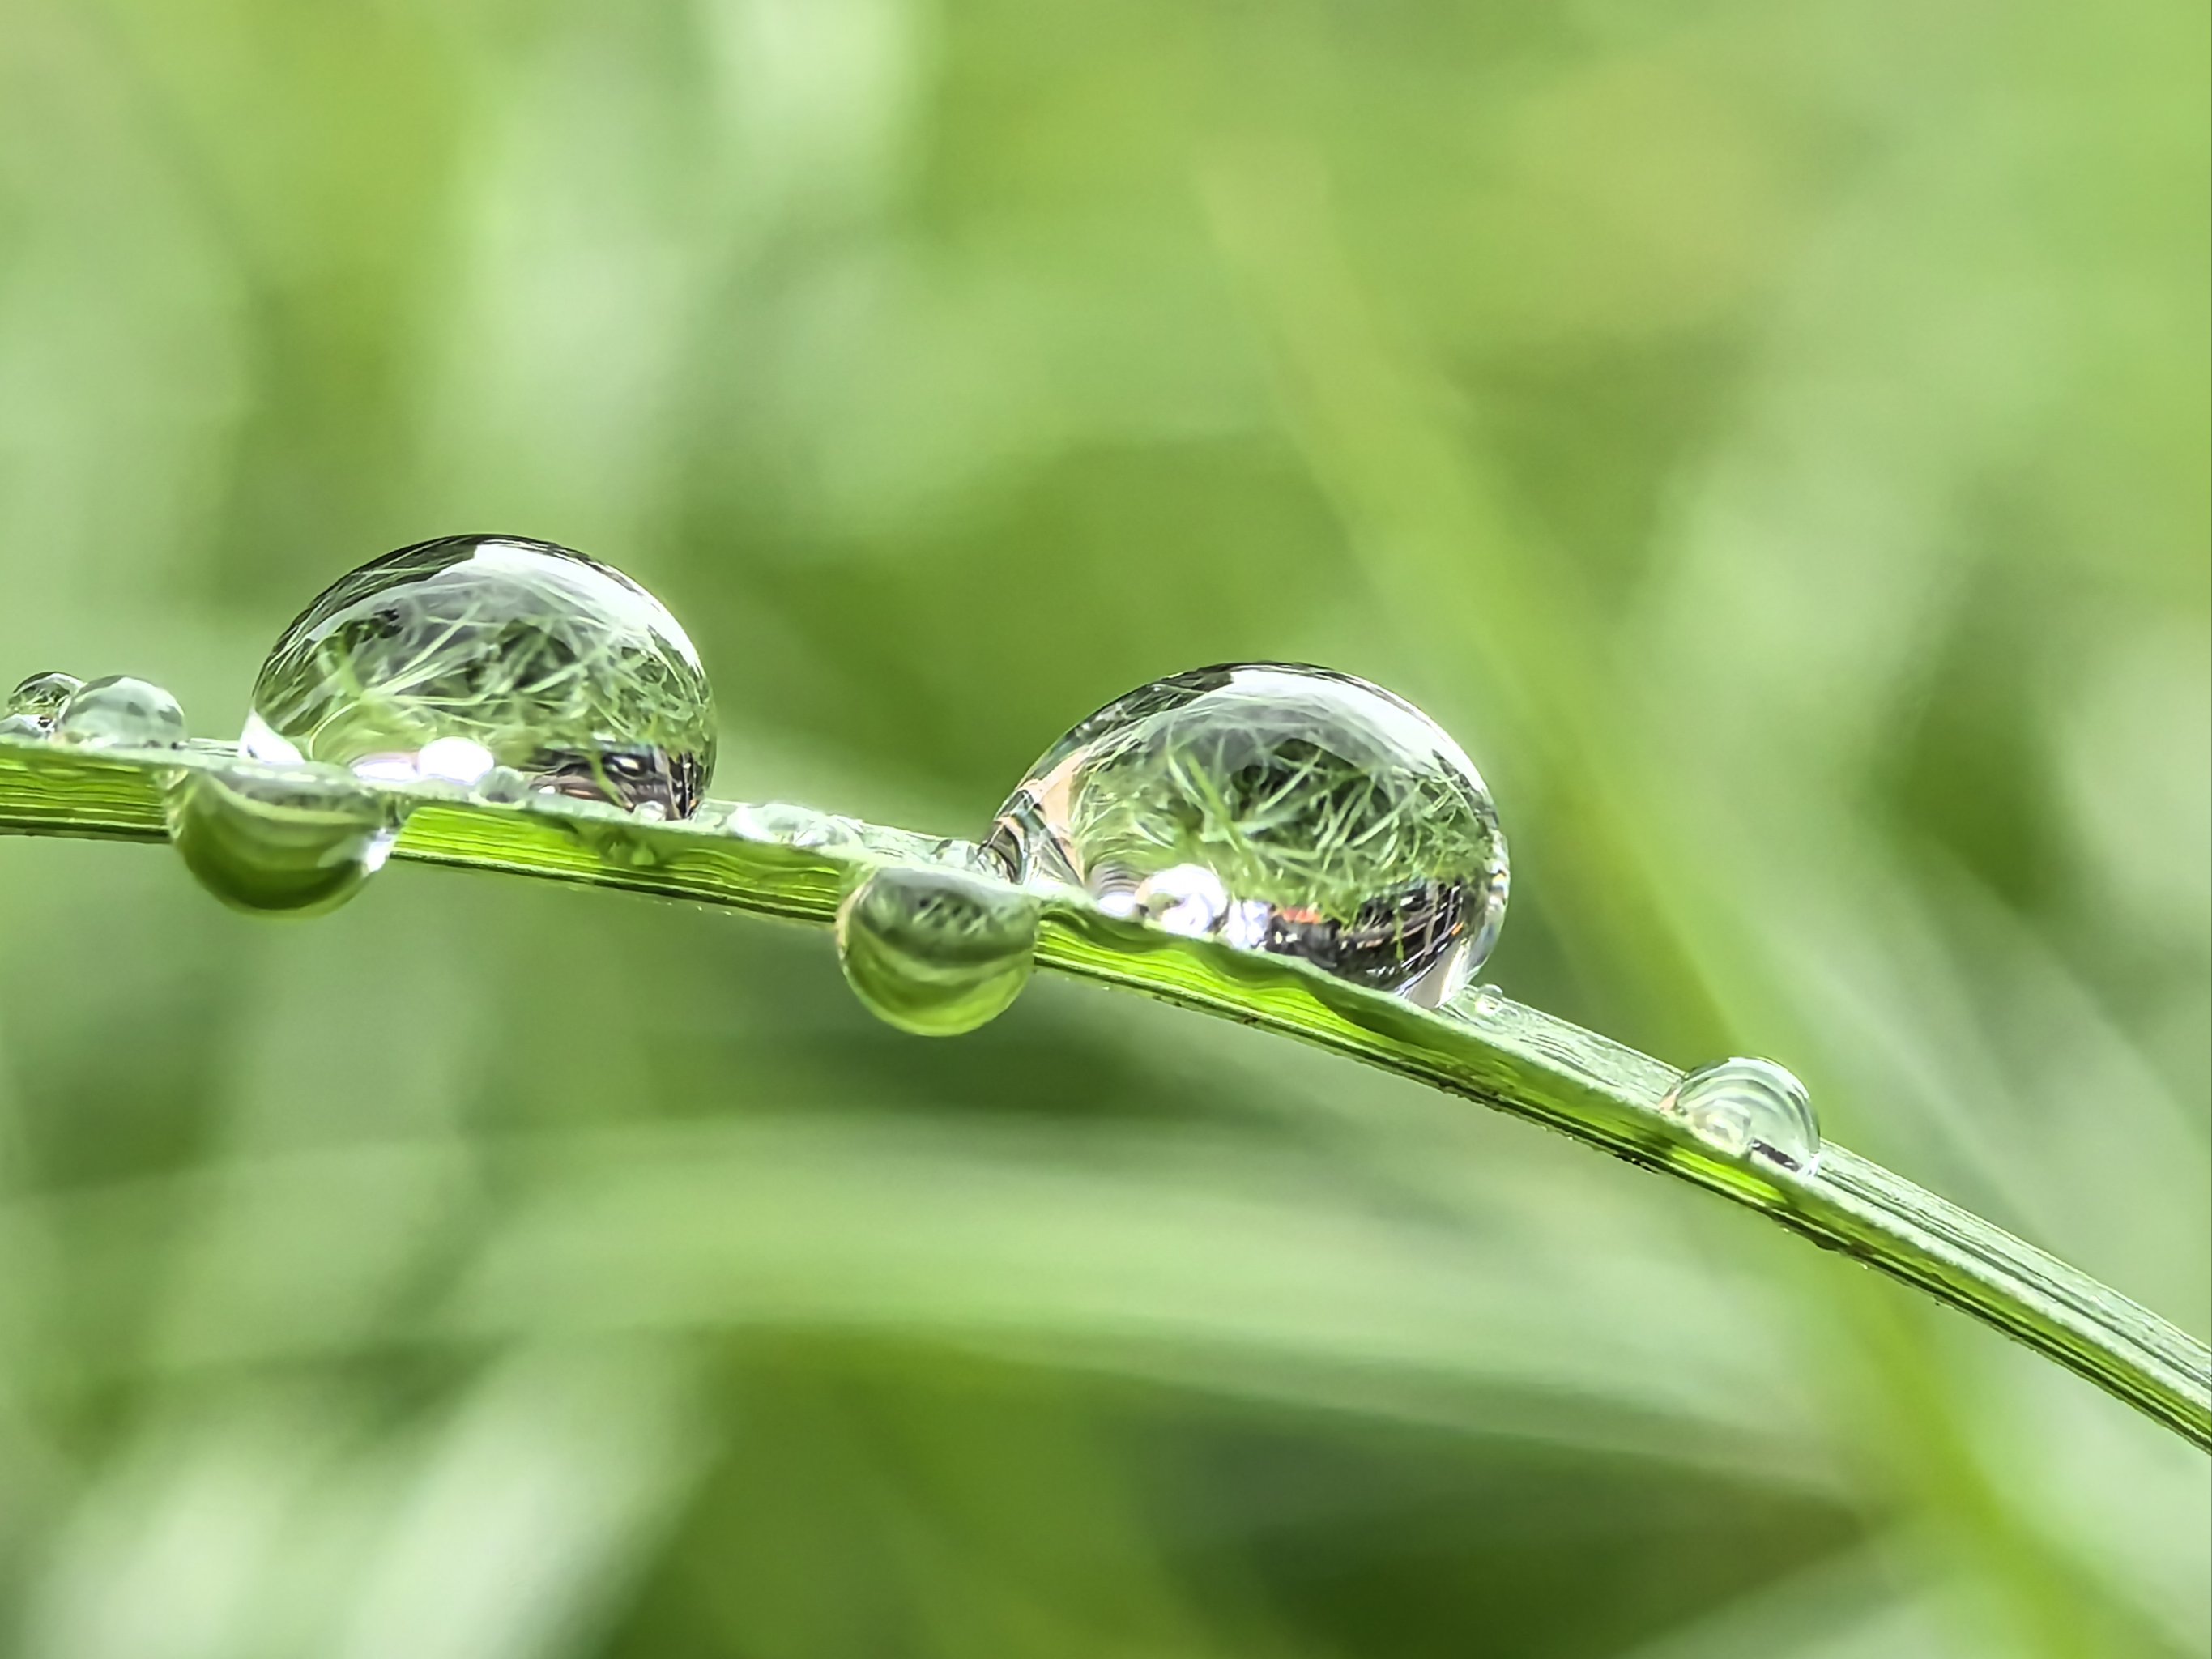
x=1279, y=808
x=934, y=950
x=120, y=713
x=297, y=839
x=1749, y=1107
x=446, y=661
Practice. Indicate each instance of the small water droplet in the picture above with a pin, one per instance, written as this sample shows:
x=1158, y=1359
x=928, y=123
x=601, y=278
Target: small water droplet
x=896, y=846
x=936, y=952
x=783, y=823
x=21, y=728
x=121, y=712
x=503, y=786
x=1485, y=1002
x=41, y=698
x=585, y=815
x=1281, y=808
x=443, y=661
x=1749, y=1107
x=297, y=840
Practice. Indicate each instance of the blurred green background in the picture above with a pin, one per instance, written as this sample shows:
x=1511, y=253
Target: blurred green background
x=1773, y=438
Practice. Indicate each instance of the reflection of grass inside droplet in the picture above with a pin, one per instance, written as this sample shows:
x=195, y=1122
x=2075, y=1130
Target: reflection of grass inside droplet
x=528, y=656
x=297, y=842
x=936, y=952
x=1282, y=818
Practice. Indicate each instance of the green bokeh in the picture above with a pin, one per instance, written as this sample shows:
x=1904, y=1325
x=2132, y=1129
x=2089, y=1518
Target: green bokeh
x=1772, y=439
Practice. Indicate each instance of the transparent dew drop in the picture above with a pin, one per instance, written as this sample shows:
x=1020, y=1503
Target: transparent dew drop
x=1749, y=1108
x=502, y=786
x=1279, y=808
x=896, y=846
x=281, y=840
x=471, y=658
x=783, y=823
x=121, y=712
x=936, y=952
x=39, y=699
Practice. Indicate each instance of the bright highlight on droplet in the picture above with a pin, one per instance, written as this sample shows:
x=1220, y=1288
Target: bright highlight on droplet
x=447, y=661
x=1184, y=898
x=454, y=760
x=935, y=950
x=1279, y=808
x=1749, y=1108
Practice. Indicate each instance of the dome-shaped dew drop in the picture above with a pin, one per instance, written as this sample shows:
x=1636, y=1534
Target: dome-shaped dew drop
x=446, y=661
x=1279, y=808
x=295, y=839
x=121, y=712
x=37, y=702
x=935, y=950
x=1749, y=1108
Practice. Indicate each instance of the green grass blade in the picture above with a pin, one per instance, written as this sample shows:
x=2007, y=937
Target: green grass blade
x=1514, y=1058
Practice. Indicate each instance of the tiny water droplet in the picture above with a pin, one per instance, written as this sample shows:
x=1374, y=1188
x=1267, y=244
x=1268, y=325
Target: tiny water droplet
x=1279, y=807
x=896, y=846
x=21, y=728
x=298, y=840
x=783, y=823
x=1486, y=1002
x=445, y=661
x=41, y=698
x=936, y=952
x=503, y=786
x=586, y=815
x=711, y=818
x=1749, y=1107
x=121, y=712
